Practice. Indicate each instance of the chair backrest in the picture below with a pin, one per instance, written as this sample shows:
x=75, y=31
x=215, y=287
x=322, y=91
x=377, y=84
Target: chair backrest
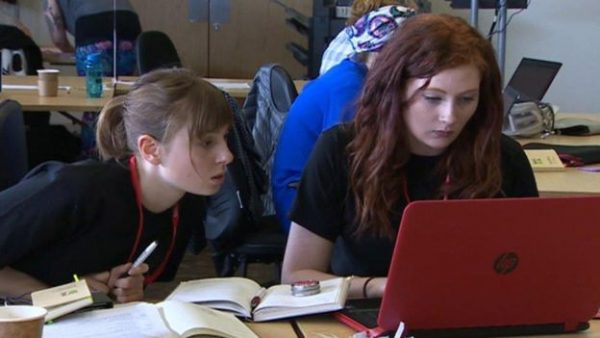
x=22, y=56
x=265, y=109
x=91, y=28
x=13, y=145
x=154, y=49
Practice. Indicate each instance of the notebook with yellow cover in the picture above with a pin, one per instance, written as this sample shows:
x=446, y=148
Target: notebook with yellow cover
x=63, y=299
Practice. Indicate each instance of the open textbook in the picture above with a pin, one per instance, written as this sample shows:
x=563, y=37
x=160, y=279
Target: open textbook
x=236, y=294
x=168, y=319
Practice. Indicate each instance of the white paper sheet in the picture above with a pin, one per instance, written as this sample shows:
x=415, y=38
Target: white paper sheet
x=140, y=320
x=231, y=85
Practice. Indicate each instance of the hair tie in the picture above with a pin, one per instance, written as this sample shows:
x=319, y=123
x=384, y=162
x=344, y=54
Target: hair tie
x=365, y=287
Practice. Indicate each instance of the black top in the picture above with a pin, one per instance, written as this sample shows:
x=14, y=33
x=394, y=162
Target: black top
x=82, y=218
x=325, y=206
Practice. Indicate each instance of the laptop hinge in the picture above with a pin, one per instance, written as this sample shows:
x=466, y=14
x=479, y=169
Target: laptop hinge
x=376, y=332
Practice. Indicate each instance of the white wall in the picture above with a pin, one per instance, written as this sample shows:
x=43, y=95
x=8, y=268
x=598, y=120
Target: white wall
x=556, y=30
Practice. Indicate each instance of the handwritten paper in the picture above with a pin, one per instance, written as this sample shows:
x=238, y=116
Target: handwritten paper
x=137, y=320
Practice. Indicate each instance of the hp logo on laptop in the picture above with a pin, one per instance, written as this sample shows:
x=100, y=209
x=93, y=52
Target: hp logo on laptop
x=506, y=263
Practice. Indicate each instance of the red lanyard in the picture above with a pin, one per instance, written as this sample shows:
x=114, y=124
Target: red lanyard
x=135, y=180
x=407, y=197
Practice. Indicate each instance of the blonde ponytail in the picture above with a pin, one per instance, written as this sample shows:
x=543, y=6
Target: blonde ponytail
x=110, y=134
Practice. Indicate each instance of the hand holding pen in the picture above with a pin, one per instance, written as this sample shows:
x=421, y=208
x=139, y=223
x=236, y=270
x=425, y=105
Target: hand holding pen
x=122, y=283
x=127, y=281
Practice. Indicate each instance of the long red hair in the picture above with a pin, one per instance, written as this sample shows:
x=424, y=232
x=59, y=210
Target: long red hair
x=423, y=46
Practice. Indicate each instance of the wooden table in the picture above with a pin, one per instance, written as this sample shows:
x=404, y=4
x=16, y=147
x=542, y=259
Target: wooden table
x=237, y=88
x=74, y=99
x=571, y=181
x=323, y=326
x=276, y=329
x=55, y=57
x=59, y=59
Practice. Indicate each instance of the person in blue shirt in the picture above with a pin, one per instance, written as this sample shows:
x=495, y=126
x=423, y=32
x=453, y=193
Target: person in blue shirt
x=326, y=102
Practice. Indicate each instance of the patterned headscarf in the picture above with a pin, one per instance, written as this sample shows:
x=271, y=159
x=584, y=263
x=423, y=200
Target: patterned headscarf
x=375, y=28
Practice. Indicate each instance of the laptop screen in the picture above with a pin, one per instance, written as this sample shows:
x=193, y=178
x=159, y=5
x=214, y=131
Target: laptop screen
x=491, y=267
x=532, y=78
x=486, y=263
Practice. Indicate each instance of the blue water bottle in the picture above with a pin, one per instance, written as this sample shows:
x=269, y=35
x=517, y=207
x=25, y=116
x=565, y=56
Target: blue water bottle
x=93, y=74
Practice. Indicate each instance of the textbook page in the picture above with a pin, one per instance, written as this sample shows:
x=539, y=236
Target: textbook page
x=279, y=302
x=187, y=319
x=235, y=294
x=231, y=293
x=135, y=320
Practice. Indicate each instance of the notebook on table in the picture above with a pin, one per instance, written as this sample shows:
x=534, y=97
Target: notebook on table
x=493, y=267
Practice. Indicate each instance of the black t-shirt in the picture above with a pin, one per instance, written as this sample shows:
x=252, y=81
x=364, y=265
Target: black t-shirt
x=83, y=218
x=324, y=204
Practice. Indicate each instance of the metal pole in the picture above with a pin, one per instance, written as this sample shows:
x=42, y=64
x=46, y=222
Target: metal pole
x=115, y=42
x=474, y=13
x=501, y=43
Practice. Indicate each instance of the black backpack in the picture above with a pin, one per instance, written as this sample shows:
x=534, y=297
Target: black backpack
x=237, y=208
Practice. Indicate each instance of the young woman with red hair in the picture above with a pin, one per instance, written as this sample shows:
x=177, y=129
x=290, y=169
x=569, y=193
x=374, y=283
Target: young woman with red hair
x=428, y=126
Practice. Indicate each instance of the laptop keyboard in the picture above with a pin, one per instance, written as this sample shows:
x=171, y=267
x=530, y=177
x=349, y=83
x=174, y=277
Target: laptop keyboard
x=364, y=311
x=367, y=317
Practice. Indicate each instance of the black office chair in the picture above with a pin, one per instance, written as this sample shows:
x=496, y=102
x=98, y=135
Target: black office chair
x=154, y=49
x=14, y=39
x=13, y=145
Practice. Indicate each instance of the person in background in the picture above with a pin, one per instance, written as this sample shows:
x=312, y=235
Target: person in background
x=428, y=126
x=91, y=23
x=10, y=16
x=163, y=146
x=327, y=101
x=340, y=47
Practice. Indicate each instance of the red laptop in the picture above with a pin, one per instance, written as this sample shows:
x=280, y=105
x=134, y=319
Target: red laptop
x=492, y=267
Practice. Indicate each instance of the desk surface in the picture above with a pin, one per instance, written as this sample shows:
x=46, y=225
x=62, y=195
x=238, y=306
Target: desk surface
x=59, y=59
x=55, y=57
x=572, y=181
x=276, y=329
x=73, y=100
x=76, y=99
x=237, y=88
x=322, y=326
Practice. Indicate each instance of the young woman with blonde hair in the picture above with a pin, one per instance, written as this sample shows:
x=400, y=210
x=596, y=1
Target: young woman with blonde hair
x=163, y=146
